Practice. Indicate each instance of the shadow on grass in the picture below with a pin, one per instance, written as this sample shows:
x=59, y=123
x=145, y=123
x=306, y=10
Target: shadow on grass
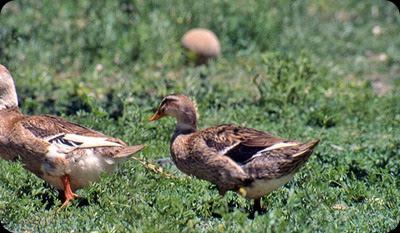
x=358, y=172
x=49, y=200
x=397, y=229
x=2, y=229
x=232, y=205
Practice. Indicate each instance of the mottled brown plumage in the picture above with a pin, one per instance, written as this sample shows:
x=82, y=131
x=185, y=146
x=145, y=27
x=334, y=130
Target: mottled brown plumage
x=231, y=157
x=66, y=155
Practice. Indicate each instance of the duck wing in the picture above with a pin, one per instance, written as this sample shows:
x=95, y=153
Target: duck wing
x=241, y=144
x=64, y=136
x=278, y=162
x=260, y=154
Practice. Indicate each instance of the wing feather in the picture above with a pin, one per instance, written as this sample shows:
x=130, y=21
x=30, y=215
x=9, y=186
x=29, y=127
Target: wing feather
x=45, y=126
x=65, y=135
x=90, y=142
x=242, y=144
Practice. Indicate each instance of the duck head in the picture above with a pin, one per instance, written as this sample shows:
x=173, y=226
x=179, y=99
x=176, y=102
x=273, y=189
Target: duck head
x=180, y=107
x=8, y=95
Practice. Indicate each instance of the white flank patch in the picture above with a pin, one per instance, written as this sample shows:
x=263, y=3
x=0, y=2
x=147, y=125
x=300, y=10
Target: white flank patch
x=83, y=170
x=90, y=142
x=261, y=187
x=59, y=148
x=88, y=169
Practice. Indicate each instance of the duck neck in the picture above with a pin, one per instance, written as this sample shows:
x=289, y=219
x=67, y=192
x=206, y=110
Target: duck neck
x=186, y=124
x=8, y=116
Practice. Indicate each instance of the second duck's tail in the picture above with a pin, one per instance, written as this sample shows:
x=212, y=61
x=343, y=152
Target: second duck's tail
x=306, y=149
x=301, y=155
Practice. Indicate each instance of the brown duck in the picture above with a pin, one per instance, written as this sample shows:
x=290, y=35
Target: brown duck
x=231, y=157
x=66, y=155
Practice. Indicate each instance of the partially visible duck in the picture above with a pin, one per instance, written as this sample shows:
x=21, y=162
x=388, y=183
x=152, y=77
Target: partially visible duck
x=245, y=160
x=66, y=155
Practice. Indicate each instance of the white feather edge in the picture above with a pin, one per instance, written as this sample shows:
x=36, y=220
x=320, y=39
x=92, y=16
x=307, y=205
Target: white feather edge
x=53, y=136
x=300, y=153
x=224, y=151
x=276, y=146
x=84, y=141
x=90, y=142
x=279, y=145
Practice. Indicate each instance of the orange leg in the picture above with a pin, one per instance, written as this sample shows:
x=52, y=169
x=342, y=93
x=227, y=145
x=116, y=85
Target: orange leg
x=69, y=195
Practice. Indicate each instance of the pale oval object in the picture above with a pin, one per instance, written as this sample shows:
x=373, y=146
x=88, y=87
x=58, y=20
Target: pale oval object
x=202, y=42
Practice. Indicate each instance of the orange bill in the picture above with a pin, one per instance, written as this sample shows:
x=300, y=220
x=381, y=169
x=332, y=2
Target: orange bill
x=157, y=116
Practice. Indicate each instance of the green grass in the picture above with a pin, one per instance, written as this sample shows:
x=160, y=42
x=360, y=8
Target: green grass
x=298, y=69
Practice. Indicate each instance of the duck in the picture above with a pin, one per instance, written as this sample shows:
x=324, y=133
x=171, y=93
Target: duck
x=66, y=155
x=233, y=158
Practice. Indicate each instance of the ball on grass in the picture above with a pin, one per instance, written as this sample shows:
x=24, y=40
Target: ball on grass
x=201, y=45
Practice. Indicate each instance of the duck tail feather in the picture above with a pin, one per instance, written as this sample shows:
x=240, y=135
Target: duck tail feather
x=307, y=148
x=129, y=150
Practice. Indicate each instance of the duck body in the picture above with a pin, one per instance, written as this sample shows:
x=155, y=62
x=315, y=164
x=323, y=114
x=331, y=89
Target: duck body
x=231, y=157
x=51, y=147
x=66, y=155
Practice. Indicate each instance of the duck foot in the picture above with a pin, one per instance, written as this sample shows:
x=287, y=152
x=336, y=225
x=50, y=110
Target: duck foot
x=68, y=194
